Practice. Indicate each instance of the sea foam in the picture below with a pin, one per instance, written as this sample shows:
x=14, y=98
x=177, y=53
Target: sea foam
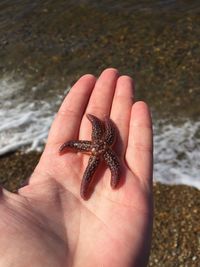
x=24, y=123
x=177, y=153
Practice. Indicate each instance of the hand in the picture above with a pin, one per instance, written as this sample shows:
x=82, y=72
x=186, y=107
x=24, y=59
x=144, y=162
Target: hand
x=48, y=224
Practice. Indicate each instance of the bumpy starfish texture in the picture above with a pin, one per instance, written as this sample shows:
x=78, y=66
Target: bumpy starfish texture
x=103, y=138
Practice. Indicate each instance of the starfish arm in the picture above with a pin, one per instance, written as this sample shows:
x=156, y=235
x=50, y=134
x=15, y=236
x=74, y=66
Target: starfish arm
x=97, y=127
x=112, y=161
x=78, y=145
x=110, y=132
x=88, y=174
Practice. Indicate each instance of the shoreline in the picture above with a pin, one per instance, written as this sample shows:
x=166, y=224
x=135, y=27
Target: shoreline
x=176, y=232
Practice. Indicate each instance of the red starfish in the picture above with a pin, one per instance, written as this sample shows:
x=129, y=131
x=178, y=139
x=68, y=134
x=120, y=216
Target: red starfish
x=103, y=138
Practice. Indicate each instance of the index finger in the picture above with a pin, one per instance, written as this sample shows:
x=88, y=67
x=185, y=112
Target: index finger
x=67, y=121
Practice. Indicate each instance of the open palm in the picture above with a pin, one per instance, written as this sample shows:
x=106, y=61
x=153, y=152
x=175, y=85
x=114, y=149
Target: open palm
x=48, y=224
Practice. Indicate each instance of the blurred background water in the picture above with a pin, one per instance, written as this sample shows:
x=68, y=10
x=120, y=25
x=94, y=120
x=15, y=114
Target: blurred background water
x=46, y=45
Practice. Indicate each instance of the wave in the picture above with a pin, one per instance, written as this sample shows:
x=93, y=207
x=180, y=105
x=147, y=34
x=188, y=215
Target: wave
x=176, y=153
x=24, y=123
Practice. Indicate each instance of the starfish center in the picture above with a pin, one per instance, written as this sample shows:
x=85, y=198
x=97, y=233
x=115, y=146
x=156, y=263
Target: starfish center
x=98, y=147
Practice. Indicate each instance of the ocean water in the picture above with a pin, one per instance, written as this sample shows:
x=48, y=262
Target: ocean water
x=176, y=152
x=25, y=125
x=46, y=45
x=25, y=122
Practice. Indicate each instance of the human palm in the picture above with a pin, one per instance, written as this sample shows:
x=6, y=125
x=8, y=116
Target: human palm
x=48, y=224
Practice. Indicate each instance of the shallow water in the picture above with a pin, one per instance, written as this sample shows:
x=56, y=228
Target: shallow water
x=46, y=46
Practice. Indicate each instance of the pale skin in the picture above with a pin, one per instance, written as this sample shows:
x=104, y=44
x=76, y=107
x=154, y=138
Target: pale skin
x=47, y=223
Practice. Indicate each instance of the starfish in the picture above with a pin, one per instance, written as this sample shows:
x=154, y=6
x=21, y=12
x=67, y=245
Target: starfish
x=99, y=148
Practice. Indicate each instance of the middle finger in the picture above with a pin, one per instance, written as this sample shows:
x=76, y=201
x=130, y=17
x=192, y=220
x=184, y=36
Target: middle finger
x=101, y=99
